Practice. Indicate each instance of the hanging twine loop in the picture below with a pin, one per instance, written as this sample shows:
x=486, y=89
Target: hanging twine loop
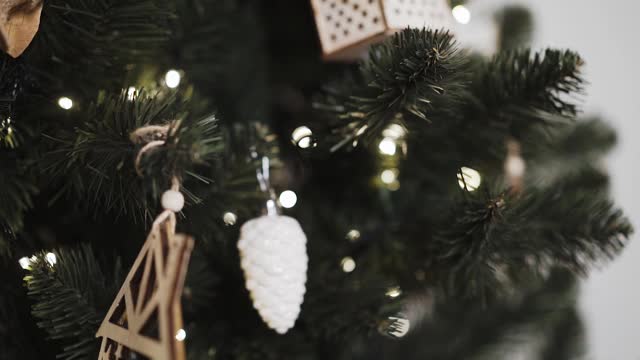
x=154, y=136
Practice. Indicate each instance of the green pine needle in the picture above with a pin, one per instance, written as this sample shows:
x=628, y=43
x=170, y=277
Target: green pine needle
x=406, y=75
x=95, y=162
x=70, y=298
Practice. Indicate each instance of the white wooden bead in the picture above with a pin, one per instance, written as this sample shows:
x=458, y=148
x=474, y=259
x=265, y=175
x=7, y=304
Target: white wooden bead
x=172, y=200
x=347, y=27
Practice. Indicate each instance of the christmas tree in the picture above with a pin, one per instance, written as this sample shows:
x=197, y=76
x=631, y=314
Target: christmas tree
x=448, y=203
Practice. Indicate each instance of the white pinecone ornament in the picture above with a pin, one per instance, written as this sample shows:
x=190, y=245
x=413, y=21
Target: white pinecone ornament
x=273, y=256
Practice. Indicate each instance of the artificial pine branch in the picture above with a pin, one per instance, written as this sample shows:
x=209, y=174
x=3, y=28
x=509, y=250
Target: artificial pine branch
x=97, y=37
x=566, y=339
x=408, y=75
x=206, y=42
x=96, y=160
x=16, y=192
x=336, y=316
x=499, y=329
x=570, y=224
x=70, y=299
x=567, y=151
x=16, y=183
x=497, y=332
x=12, y=81
x=518, y=89
x=462, y=253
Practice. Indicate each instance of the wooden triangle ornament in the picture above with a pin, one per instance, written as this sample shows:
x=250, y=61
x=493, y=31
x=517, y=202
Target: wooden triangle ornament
x=146, y=315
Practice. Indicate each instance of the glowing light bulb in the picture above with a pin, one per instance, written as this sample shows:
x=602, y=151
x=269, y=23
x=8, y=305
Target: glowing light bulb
x=65, y=103
x=394, y=131
x=400, y=326
x=388, y=176
x=302, y=137
x=131, y=92
x=288, y=199
x=181, y=335
x=229, y=218
x=394, y=292
x=24, y=262
x=348, y=264
x=387, y=146
x=461, y=14
x=353, y=235
x=469, y=178
x=515, y=166
x=172, y=78
x=51, y=258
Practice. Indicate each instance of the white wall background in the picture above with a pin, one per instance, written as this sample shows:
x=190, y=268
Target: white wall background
x=607, y=35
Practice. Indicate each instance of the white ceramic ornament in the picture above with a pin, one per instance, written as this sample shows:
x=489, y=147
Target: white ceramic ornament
x=273, y=256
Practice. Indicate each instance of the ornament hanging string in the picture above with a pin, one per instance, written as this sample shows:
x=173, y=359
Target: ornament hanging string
x=262, y=174
x=155, y=136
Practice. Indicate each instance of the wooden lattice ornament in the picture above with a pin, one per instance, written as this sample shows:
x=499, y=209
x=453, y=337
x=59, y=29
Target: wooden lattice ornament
x=146, y=317
x=347, y=27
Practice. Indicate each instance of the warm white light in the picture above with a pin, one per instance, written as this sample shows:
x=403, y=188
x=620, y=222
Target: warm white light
x=172, y=78
x=394, y=292
x=469, y=178
x=304, y=142
x=181, y=335
x=515, y=166
x=400, y=326
x=302, y=136
x=348, y=264
x=131, y=93
x=461, y=14
x=24, y=262
x=394, y=131
x=353, y=235
x=51, y=258
x=388, y=176
x=65, y=103
x=387, y=146
x=229, y=218
x=288, y=199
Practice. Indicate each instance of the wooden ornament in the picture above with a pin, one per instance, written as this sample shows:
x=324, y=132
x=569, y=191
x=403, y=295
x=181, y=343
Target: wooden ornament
x=19, y=22
x=146, y=316
x=347, y=27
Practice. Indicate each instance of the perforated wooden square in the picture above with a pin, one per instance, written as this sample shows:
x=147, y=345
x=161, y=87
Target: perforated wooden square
x=347, y=27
